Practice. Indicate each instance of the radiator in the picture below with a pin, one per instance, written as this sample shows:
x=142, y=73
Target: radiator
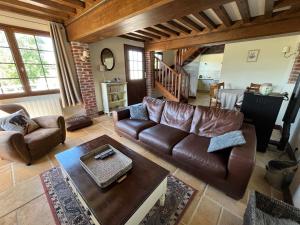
x=43, y=105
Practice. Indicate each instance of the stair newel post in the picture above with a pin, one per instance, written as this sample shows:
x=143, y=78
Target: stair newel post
x=179, y=85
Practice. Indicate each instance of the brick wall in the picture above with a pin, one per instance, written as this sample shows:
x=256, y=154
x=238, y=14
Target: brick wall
x=295, y=71
x=85, y=77
x=149, y=58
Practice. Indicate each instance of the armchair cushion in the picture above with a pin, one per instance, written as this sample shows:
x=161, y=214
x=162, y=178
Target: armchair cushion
x=18, y=121
x=41, y=140
x=49, y=121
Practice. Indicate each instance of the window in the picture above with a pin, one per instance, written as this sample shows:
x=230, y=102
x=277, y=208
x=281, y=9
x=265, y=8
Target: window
x=9, y=78
x=158, y=55
x=136, y=65
x=27, y=63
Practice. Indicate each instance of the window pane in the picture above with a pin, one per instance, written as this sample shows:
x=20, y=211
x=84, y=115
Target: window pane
x=8, y=71
x=38, y=84
x=47, y=57
x=34, y=71
x=3, y=40
x=52, y=83
x=25, y=41
x=30, y=56
x=6, y=56
x=44, y=43
x=50, y=71
x=10, y=86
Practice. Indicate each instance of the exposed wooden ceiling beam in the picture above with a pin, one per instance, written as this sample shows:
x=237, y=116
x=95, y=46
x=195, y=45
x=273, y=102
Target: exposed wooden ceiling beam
x=132, y=38
x=71, y=3
x=167, y=29
x=244, y=10
x=32, y=14
x=269, y=4
x=33, y=8
x=223, y=15
x=178, y=26
x=52, y=5
x=140, y=36
x=255, y=29
x=148, y=34
x=156, y=31
x=202, y=17
x=129, y=16
x=190, y=23
x=283, y=3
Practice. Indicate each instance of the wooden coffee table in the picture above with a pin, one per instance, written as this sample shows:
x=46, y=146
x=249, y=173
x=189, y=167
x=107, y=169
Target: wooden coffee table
x=127, y=202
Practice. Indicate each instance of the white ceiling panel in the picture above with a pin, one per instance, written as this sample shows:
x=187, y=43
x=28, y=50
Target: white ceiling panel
x=233, y=11
x=257, y=7
x=213, y=16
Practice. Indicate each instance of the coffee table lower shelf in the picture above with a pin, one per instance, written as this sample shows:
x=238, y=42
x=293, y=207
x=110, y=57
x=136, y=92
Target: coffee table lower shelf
x=157, y=195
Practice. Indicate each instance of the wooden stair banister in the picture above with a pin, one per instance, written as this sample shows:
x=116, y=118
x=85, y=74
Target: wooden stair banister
x=171, y=83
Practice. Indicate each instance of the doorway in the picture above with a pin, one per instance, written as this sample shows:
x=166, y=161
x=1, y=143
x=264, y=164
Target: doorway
x=135, y=73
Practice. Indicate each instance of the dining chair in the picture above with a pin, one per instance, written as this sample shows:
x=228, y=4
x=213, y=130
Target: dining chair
x=213, y=94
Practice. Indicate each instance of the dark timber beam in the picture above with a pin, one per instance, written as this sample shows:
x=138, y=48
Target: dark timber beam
x=269, y=4
x=190, y=23
x=178, y=26
x=202, y=17
x=156, y=31
x=244, y=31
x=223, y=15
x=244, y=10
x=115, y=17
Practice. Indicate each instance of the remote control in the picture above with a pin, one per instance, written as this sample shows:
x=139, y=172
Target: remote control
x=104, y=154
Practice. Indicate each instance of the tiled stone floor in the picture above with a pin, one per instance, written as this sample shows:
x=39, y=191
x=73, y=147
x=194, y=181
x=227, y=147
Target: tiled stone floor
x=23, y=202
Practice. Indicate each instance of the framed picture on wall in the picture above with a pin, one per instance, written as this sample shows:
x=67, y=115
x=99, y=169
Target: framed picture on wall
x=252, y=55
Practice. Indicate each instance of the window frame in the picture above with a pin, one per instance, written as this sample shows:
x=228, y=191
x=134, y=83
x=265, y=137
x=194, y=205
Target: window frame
x=13, y=45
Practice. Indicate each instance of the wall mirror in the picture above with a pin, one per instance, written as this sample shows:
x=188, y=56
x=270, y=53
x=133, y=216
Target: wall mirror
x=107, y=59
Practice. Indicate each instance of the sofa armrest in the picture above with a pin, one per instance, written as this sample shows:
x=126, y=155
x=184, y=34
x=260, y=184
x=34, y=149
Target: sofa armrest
x=121, y=114
x=242, y=161
x=52, y=122
x=13, y=146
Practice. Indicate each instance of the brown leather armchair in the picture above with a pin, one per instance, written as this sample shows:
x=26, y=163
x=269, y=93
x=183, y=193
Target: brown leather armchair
x=15, y=146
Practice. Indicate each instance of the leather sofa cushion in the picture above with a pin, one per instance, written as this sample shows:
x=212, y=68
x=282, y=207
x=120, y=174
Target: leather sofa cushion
x=178, y=115
x=192, y=150
x=133, y=127
x=154, y=107
x=211, y=122
x=161, y=137
x=42, y=139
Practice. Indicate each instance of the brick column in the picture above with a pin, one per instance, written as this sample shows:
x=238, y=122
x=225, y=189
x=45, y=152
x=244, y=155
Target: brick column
x=149, y=61
x=85, y=77
x=295, y=71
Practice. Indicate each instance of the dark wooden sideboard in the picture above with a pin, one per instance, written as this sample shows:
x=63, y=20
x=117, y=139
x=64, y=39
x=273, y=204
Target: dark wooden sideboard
x=262, y=112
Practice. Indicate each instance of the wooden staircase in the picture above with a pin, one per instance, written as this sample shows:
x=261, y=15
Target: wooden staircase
x=173, y=84
x=187, y=55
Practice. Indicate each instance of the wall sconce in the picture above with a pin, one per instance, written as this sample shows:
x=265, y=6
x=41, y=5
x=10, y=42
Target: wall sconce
x=85, y=56
x=286, y=51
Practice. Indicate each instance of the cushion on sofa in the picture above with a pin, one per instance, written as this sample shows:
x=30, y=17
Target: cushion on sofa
x=178, y=115
x=211, y=122
x=192, y=150
x=138, y=112
x=133, y=127
x=161, y=137
x=154, y=107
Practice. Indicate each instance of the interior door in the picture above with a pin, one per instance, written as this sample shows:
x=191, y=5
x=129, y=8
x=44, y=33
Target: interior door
x=135, y=73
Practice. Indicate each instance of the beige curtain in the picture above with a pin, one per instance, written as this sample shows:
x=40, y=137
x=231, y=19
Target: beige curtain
x=69, y=85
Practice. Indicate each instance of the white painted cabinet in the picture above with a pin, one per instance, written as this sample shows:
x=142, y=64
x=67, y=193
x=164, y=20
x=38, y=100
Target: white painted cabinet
x=114, y=96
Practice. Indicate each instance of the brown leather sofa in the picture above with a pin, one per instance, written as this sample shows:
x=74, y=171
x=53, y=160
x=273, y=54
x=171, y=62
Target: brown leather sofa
x=15, y=146
x=181, y=133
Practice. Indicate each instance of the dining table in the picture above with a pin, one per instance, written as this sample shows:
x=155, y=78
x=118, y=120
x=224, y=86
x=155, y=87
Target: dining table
x=230, y=98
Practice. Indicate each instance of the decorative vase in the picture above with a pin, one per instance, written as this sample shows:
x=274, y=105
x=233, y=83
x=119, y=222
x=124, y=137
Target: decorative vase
x=266, y=89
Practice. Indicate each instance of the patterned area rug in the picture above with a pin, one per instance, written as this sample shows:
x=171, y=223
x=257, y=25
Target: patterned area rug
x=67, y=209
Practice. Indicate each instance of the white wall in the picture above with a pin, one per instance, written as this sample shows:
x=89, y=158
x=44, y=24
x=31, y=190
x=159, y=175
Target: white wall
x=23, y=21
x=116, y=45
x=169, y=57
x=271, y=66
x=210, y=65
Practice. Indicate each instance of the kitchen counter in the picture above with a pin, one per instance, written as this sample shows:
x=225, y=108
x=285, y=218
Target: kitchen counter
x=204, y=84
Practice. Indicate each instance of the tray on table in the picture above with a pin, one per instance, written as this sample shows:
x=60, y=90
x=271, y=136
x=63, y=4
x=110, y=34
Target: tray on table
x=106, y=171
